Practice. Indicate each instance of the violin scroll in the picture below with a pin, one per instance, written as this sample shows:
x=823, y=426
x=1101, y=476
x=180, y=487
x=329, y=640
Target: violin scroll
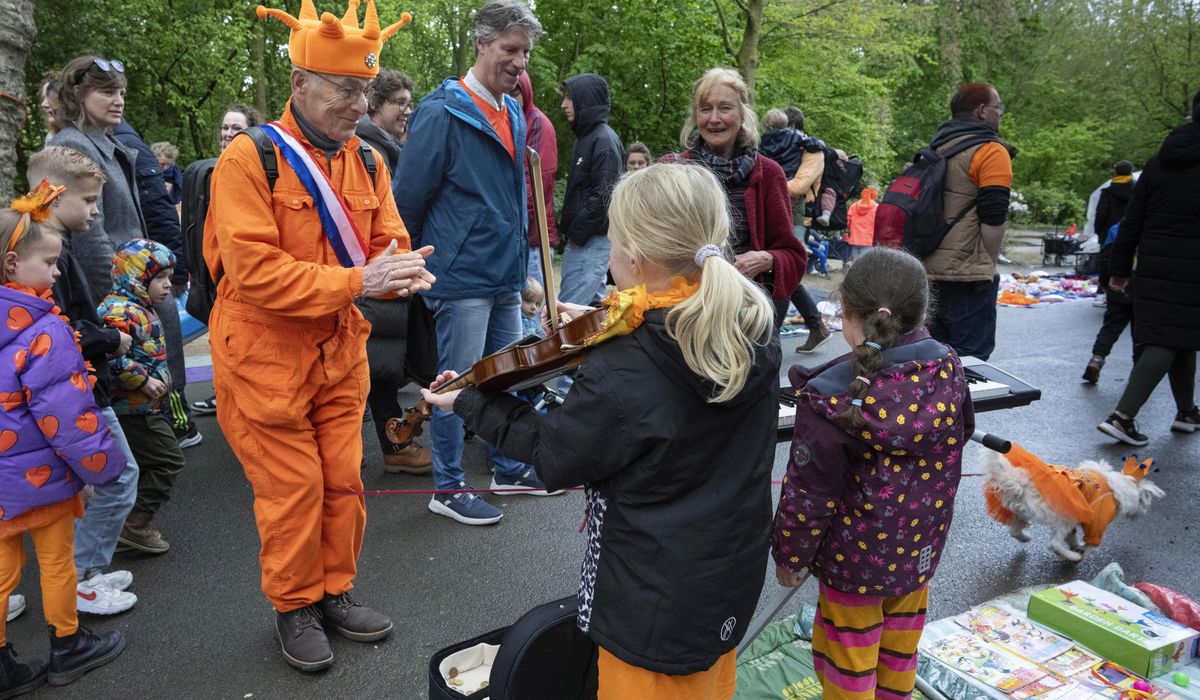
x=402, y=430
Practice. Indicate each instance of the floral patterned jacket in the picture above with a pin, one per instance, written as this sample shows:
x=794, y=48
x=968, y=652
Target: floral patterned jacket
x=869, y=511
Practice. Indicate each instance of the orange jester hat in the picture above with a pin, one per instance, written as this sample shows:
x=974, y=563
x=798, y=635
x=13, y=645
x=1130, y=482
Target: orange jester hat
x=327, y=45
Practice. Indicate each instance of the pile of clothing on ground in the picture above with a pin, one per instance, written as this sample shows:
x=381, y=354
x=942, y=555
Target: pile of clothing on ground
x=1040, y=288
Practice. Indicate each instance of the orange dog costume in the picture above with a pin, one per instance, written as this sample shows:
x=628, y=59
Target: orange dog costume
x=1080, y=495
x=288, y=344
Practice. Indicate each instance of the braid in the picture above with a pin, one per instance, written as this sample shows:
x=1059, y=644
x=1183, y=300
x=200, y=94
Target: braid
x=887, y=293
x=881, y=329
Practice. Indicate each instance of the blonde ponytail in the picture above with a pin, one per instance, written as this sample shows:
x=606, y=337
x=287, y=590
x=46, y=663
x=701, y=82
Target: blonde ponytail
x=663, y=215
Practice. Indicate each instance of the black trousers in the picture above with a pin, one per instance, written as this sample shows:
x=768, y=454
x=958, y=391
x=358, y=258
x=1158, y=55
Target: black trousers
x=1118, y=313
x=383, y=404
x=804, y=305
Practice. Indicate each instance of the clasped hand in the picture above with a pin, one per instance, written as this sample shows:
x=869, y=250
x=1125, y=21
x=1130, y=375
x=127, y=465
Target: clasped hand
x=401, y=274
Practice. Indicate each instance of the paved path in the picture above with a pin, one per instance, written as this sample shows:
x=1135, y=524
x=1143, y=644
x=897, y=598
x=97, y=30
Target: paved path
x=201, y=628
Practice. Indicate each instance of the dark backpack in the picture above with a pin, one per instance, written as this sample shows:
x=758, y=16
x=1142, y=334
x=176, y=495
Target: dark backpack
x=844, y=176
x=910, y=214
x=196, y=183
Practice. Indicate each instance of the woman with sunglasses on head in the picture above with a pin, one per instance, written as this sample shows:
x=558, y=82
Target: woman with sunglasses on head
x=91, y=105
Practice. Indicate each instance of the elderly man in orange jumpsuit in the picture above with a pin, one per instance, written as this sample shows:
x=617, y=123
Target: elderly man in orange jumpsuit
x=288, y=344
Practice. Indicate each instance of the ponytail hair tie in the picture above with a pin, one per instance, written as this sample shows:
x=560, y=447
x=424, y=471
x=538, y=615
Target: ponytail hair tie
x=885, y=310
x=856, y=402
x=863, y=379
x=873, y=344
x=37, y=205
x=705, y=253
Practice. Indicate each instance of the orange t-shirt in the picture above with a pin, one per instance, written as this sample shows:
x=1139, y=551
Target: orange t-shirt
x=498, y=118
x=991, y=166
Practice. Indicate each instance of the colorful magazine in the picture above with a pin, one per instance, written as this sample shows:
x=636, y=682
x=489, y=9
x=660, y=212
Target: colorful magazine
x=1011, y=630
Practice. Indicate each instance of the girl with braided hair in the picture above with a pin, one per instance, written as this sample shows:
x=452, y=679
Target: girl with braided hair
x=874, y=466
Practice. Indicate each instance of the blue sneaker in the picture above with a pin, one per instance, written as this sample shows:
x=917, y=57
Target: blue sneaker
x=466, y=508
x=526, y=483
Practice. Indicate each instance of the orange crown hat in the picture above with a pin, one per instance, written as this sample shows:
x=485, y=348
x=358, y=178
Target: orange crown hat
x=337, y=47
x=1137, y=470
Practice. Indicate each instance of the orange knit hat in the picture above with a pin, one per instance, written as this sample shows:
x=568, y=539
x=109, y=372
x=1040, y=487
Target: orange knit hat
x=327, y=45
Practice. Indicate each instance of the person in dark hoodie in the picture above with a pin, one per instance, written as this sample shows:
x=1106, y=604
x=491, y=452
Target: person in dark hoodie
x=975, y=197
x=678, y=491
x=1162, y=228
x=874, y=467
x=597, y=161
x=1118, y=306
x=386, y=120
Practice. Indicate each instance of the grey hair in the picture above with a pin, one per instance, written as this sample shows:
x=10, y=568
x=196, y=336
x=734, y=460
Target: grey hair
x=498, y=16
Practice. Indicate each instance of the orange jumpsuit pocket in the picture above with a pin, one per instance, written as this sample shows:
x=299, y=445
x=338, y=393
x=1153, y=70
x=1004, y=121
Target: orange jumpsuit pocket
x=271, y=367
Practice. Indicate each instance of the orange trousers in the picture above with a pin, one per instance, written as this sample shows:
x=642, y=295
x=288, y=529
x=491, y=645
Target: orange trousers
x=55, y=546
x=622, y=681
x=290, y=400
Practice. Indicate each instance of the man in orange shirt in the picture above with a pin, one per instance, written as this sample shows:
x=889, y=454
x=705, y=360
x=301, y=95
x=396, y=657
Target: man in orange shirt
x=288, y=344
x=460, y=186
x=976, y=191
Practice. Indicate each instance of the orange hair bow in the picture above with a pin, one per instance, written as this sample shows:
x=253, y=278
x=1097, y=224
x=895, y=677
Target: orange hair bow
x=37, y=205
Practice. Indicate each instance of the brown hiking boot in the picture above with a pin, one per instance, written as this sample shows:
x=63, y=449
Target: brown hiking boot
x=412, y=459
x=816, y=336
x=137, y=534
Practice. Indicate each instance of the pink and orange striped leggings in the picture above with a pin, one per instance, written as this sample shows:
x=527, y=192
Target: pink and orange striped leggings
x=865, y=647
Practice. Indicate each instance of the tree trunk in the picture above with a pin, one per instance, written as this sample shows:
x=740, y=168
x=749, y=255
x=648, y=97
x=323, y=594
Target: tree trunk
x=16, y=38
x=747, y=55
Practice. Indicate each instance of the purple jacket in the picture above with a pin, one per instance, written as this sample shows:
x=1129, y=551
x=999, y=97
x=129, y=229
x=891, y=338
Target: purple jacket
x=53, y=438
x=869, y=512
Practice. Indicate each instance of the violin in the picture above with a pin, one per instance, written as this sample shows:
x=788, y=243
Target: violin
x=530, y=361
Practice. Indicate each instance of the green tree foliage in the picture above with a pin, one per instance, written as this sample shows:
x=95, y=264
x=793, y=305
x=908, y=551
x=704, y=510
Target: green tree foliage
x=1085, y=82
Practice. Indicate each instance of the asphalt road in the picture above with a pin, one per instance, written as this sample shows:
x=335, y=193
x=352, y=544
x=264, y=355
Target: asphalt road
x=202, y=629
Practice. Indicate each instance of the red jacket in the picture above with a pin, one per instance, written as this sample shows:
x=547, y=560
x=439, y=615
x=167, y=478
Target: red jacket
x=769, y=217
x=540, y=137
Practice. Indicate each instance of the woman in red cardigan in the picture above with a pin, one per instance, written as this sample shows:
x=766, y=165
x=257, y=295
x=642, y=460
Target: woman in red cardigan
x=721, y=132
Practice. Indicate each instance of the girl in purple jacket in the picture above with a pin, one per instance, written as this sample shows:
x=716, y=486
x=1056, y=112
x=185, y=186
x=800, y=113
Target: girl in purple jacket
x=53, y=441
x=872, y=474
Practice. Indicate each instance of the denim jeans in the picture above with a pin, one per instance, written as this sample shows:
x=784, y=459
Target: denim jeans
x=965, y=316
x=583, y=270
x=467, y=330
x=535, y=266
x=96, y=532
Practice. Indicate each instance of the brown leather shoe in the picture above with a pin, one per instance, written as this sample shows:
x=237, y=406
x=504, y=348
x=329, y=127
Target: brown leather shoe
x=413, y=459
x=137, y=534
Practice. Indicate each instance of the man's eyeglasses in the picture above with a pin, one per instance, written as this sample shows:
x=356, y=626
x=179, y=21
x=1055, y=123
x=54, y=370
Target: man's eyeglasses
x=348, y=94
x=109, y=66
x=402, y=104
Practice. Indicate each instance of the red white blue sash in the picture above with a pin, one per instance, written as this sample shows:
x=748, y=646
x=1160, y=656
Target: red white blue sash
x=340, y=231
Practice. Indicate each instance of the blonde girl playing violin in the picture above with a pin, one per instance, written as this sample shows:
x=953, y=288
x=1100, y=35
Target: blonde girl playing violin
x=670, y=426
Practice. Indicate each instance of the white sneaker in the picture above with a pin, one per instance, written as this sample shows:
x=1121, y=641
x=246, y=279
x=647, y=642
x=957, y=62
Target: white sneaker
x=97, y=597
x=118, y=580
x=16, y=606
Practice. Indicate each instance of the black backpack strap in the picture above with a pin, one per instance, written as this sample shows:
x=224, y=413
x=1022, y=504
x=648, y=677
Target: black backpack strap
x=266, y=153
x=367, y=156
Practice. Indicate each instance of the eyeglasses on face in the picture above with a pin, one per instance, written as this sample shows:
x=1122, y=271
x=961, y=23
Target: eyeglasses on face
x=109, y=66
x=402, y=103
x=349, y=94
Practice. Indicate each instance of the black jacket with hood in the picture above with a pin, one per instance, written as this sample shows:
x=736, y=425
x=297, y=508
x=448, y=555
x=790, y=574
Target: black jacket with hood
x=1162, y=227
x=597, y=161
x=678, y=493
x=380, y=140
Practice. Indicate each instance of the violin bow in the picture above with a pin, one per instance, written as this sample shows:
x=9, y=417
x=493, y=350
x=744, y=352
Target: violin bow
x=534, y=163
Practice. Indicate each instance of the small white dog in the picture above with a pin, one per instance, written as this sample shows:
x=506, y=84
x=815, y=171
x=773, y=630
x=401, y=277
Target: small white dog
x=1022, y=489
